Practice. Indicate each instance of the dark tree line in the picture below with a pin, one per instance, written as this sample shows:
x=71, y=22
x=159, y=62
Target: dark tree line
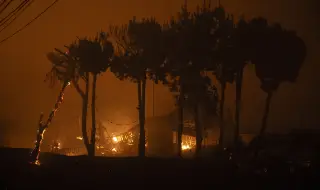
x=178, y=54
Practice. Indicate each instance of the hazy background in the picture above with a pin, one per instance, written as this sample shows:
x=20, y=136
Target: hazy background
x=24, y=65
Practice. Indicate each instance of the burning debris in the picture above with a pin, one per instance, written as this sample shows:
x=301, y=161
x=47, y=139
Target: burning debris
x=56, y=146
x=118, y=144
x=188, y=142
x=115, y=144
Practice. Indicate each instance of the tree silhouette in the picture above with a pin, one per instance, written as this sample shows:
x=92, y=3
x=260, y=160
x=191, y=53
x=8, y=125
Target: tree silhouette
x=139, y=56
x=177, y=35
x=203, y=41
x=69, y=71
x=199, y=91
x=232, y=54
x=84, y=56
x=241, y=53
x=188, y=41
x=279, y=55
x=93, y=56
x=177, y=48
x=225, y=59
x=57, y=72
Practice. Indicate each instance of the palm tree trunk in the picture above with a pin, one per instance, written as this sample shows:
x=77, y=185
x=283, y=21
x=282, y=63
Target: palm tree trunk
x=198, y=130
x=93, y=114
x=142, y=129
x=266, y=114
x=139, y=111
x=84, y=116
x=180, y=127
x=141, y=120
x=239, y=80
x=264, y=124
x=222, y=100
x=44, y=125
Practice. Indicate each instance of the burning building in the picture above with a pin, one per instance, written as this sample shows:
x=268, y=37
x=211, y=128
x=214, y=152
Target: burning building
x=121, y=139
x=162, y=133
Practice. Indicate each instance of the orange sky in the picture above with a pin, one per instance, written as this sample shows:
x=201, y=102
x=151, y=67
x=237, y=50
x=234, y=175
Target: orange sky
x=24, y=94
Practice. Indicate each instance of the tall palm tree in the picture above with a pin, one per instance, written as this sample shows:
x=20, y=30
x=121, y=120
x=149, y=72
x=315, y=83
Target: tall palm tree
x=140, y=56
x=87, y=56
x=240, y=52
x=177, y=37
x=224, y=64
x=204, y=40
x=69, y=74
x=188, y=44
x=70, y=58
x=200, y=93
x=279, y=57
x=94, y=57
x=232, y=54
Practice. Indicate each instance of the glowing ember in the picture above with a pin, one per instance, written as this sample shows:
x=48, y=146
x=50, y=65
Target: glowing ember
x=114, y=150
x=80, y=138
x=115, y=139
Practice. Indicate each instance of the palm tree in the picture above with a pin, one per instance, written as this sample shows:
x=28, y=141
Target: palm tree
x=234, y=49
x=188, y=44
x=224, y=75
x=200, y=92
x=140, y=56
x=204, y=40
x=94, y=56
x=68, y=58
x=279, y=57
x=70, y=74
x=177, y=35
x=225, y=62
x=241, y=52
x=87, y=56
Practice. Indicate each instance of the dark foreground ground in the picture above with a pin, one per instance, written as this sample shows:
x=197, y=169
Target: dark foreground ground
x=61, y=172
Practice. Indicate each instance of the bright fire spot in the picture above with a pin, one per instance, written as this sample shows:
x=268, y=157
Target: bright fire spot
x=59, y=145
x=115, y=139
x=37, y=162
x=114, y=150
x=186, y=147
x=98, y=147
x=79, y=138
x=188, y=142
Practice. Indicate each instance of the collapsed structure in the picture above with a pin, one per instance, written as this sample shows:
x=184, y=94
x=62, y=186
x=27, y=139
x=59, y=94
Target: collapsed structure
x=160, y=137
